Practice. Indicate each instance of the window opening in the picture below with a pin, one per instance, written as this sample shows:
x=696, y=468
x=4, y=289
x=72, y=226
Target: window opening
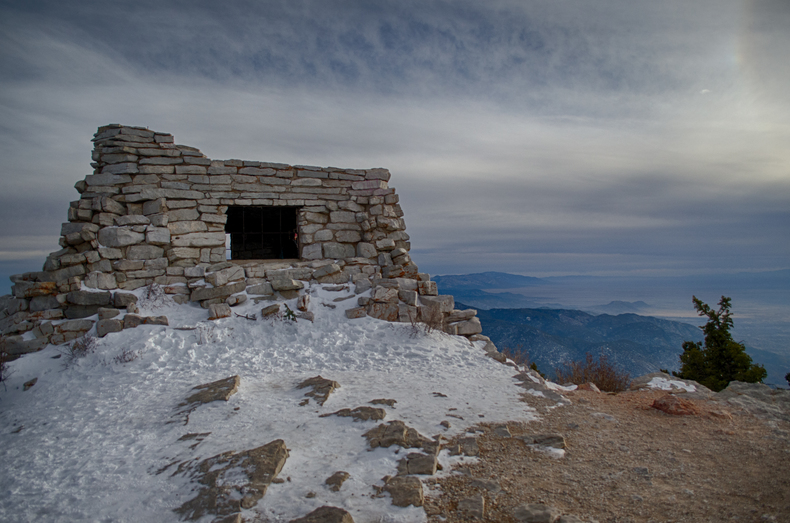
x=261, y=233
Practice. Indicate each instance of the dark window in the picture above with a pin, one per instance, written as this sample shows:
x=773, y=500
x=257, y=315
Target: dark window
x=262, y=233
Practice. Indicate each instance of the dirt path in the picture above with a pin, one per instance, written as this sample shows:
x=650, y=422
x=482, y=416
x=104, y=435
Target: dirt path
x=628, y=462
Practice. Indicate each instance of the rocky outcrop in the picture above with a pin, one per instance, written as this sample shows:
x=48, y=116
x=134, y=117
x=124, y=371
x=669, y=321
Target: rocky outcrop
x=232, y=481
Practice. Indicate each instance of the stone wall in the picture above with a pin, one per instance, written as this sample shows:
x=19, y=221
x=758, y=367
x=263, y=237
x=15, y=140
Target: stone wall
x=154, y=213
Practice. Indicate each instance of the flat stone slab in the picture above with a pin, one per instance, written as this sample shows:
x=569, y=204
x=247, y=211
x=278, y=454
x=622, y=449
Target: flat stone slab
x=208, y=392
x=214, y=391
x=232, y=481
x=359, y=413
x=398, y=433
x=322, y=388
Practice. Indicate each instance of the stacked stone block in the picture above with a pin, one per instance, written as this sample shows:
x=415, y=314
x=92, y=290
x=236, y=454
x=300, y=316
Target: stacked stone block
x=153, y=212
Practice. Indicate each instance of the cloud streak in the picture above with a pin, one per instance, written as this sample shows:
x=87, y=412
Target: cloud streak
x=536, y=137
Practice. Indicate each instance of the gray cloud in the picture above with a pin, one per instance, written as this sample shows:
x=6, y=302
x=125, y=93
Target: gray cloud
x=533, y=137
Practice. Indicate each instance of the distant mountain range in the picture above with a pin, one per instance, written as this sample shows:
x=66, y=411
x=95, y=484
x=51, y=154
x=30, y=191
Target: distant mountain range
x=553, y=333
x=552, y=337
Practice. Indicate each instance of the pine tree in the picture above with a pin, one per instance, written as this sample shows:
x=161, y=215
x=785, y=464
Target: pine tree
x=721, y=359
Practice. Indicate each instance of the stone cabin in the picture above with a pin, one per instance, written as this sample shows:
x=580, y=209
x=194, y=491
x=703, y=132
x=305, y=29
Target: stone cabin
x=219, y=232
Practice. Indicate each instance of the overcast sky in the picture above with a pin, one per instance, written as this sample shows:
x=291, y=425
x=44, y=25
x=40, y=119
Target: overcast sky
x=533, y=137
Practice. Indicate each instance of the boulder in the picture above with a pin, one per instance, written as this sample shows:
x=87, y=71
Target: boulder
x=219, y=310
x=104, y=327
x=405, y=491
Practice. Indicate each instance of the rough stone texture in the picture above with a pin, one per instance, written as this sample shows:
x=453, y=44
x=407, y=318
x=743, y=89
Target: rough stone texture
x=418, y=463
x=322, y=388
x=152, y=212
x=360, y=413
x=214, y=391
x=219, y=310
x=326, y=514
x=474, y=506
x=270, y=310
x=224, y=475
x=405, y=491
x=536, y=513
x=336, y=480
x=104, y=327
x=675, y=406
x=398, y=433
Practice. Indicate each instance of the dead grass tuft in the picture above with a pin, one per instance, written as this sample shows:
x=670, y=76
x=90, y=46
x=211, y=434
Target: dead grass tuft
x=602, y=373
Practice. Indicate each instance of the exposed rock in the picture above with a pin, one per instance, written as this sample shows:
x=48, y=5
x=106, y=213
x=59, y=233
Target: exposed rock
x=270, y=310
x=474, y=506
x=29, y=384
x=405, y=490
x=360, y=413
x=382, y=401
x=104, y=327
x=303, y=302
x=758, y=399
x=89, y=298
x=590, y=387
x=675, y=406
x=356, y=312
x=544, y=440
x=287, y=285
x=309, y=316
x=417, y=463
x=486, y=484
x=536, y=513
x=156, y=320
x=336, y=480
x=233, y=481
x=219, y=310
x=326, y=514
x=398, y=433
x=322, y=388
x=214, y=391
x=106, y=313
x=130, y=321
x=501, y=431
x=123, y=299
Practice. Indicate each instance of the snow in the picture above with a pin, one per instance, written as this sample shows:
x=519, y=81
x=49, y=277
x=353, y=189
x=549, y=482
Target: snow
x=86, y=441
x=665, y=384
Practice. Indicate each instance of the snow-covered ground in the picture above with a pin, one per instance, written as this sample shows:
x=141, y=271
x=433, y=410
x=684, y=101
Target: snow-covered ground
x=86, y=441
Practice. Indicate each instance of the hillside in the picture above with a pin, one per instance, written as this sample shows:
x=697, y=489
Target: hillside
x=136, y=430
x=86, y=441
x=551, y=337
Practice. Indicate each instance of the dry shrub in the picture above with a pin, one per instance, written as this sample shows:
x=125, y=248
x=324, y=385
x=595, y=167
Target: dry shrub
x=80, y=348
x=3, y=366
x=127, y=355
x=601, y=372
x=154, y=298
x=520, y=358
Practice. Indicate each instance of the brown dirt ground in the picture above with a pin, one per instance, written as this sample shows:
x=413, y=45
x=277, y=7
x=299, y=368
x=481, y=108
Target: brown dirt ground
x=647, y=466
